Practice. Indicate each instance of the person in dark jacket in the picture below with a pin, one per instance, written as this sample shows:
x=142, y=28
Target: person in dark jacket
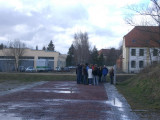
x=104, y=73
x=79, y=73
x=111, y=74
x=95, y=75
x=87, y=67
x=99, y=73
x=85, y=75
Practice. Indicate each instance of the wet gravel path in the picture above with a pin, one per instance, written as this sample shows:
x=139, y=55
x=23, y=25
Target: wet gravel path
x=65, y=101
x=120, y=108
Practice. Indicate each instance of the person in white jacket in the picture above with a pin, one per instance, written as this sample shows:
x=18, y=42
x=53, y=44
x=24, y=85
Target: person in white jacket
x=90, y=76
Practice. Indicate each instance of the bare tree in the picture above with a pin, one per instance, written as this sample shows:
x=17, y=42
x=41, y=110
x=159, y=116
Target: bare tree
x=16, y=49
x=81, y=45
x=149, y=14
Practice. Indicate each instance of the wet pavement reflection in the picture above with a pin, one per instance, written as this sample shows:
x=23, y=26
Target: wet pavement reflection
x=65, y=100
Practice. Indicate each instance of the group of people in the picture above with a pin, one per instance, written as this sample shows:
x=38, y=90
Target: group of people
x=93, y=74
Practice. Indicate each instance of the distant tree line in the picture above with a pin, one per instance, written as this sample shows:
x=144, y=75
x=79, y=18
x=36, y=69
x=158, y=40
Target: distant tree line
x=2, y=46
x=81, y=52
x=51, y=47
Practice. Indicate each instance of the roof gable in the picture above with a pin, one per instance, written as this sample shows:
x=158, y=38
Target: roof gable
x=143, y=36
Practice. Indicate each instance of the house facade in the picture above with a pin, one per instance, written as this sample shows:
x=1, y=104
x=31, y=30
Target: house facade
x=30, y=57
x=140, y=48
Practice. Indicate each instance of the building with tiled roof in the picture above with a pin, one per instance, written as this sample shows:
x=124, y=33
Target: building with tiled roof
x=107, y=54
x=140, y=48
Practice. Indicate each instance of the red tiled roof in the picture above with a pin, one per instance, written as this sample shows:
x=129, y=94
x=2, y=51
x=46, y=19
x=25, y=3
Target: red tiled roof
x=105, y=52
x=143, y=36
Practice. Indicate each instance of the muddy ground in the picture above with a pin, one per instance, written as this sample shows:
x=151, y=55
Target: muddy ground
x=63, y=100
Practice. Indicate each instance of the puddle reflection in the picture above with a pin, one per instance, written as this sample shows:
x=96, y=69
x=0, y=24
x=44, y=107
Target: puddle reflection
x=57, y=91
x=9, y=117
x=118, y=106
x=115, y=102
x=124, y=117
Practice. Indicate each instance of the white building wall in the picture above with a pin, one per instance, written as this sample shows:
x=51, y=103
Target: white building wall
x=137, y=58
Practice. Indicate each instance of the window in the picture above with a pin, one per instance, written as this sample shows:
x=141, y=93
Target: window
x=26, y=57
x=155, y=52
x=7, y=57
x=141, y=52
x=133, y=64
x=48, y=58
x=141, y=64
x=155, y=62
x=147, y=41
x=133, y=52
x=133, y=41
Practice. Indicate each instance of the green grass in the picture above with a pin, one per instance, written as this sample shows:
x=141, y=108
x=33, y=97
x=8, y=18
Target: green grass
x=142, y=91
x=35, y=77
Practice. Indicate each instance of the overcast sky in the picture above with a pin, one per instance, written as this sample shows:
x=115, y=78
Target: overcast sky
x=36, y=22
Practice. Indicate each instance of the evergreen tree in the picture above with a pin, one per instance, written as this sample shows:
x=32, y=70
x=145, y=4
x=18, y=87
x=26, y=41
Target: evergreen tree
x=70, y=61
x=44, y=48
x=101, y=60
x=94, y=56
x=36, y=47
x=51, y=46
x=1, y=46
x=112, y=57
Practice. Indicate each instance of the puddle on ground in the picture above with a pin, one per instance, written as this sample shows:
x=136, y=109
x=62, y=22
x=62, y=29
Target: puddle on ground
x=124, y=117
x=57, y=91
x=6, y=116
x=119, y=106
x=115, y=102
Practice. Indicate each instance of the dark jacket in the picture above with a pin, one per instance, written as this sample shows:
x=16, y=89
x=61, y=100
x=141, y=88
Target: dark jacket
x=95, y=71
x=85, y=71
x=111, y=73
x=99, y=72
x=79, y=69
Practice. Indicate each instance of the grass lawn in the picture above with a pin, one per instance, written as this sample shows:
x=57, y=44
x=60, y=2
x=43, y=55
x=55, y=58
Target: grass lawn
x=140, y=93
x=33, y=77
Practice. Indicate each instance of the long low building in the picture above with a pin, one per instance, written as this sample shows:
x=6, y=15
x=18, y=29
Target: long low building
x=30, y=58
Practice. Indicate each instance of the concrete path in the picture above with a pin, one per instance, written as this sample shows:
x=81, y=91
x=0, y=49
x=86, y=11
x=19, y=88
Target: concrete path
x=65, y=101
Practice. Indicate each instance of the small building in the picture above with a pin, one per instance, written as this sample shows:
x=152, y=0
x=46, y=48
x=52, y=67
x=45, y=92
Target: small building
x=110, y=55
x=140, y=48
x=30, y=57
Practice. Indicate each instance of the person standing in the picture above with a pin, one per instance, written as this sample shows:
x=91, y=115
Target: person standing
x=111, y=74
x=90, y=76
x=99, y=74
x=80, y=77
x=79, y=73
x=104, y=73
x=85, y=75
x=95, y=75
x=87, y=67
